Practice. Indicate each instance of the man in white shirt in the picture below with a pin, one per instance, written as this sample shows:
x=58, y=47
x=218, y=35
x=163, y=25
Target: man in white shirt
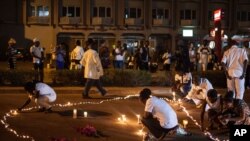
x=41, y=93
x=159, y=117
x=204, y=52
x=234, y=63
x=92, y=70
x=76, y=56
x=37, y=53
x=199, y=90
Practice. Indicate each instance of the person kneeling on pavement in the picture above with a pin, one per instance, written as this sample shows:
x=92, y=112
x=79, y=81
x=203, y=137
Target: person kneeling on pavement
x=213, y=106
x=159, y=117
x=42, y=94
x=235, y=112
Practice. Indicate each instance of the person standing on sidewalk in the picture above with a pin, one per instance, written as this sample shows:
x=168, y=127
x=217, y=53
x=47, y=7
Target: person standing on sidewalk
x=41, y=93
x=11, y=53
x=234, y=63
x=92, y=70
x=37, y=53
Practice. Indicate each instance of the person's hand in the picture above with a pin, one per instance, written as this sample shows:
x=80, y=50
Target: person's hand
x=228, y=76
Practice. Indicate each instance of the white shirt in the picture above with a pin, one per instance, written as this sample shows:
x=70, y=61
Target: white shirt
x=205, y=85
x=77, y=53
x=167, y=58
x=118, y=56
x=234, y=58
x=46, y=90
x=38, y=52
x=161, y=110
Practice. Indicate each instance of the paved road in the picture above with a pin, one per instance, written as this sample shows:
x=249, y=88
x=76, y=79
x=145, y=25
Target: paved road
x=103, y=116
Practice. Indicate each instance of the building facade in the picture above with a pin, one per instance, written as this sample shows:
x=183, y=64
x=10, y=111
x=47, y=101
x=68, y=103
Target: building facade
x=159, y=21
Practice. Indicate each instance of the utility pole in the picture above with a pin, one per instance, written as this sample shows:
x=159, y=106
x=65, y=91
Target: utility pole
x=217, y=23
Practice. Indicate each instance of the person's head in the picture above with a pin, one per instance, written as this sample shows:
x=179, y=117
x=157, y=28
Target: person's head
x=78, y=42
x=12, y=41
x=144, y=95
x=36, y=42
x=212, y=95
x=29, y=87
x=196, y=80
x=228, y=99
x=146, y=43
x=89, y=42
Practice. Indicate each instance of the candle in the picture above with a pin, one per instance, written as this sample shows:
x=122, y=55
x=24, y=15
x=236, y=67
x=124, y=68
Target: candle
x=85, y=114
x=185, y=122
x=119, y=119
x=138, y=119
x=75, y=113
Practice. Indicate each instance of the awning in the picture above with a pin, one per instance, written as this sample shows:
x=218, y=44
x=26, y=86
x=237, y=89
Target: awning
x=133, y=36
x=101, y=35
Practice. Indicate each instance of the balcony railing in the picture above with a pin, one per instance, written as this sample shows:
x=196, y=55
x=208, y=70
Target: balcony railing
x=160, y=22
x=133, y=21
x=102, y=21
x=189, y=23
x=38, y=20
x=70, y=20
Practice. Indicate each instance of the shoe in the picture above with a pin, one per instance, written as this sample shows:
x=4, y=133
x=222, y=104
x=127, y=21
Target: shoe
x=182, y=132
x=41, y=109
x=148, y=137
x=86, y=97
x=48, y=110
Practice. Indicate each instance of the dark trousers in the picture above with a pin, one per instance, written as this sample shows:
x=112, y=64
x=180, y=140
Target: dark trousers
x=155, y=128
x=38, y=67
x=90, y=82
x=12, y=63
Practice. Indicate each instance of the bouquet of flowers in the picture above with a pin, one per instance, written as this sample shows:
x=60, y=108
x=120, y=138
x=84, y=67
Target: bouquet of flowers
x=90, y=131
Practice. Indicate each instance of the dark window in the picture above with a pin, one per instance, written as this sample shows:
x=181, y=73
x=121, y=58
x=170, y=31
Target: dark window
x=71, y=12
x=193, y=14
x=132, y=13
x=248, y=16
x=210, y=15
x=108, y=12
x=64, y=12
x=154, y=13
x=159, y=13
x=95, y=12
x=33, y=11
x=166, y=14
x=138, y=13
x=77, y=11
x=101, y=11
x=243, y=16
x=182, y=15
x=188, y=14
x=126, y=13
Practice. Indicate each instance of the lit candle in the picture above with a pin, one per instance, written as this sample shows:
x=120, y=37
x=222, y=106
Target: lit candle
x=140, y=132
x=119, y=119
x=138, y=119
x=75, y=113
x=185, y=122
x=85, y=114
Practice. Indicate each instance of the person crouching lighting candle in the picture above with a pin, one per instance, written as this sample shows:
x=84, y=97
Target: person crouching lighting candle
x=159, y=117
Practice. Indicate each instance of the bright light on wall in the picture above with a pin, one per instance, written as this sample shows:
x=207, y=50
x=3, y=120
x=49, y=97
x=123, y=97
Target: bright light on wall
x=187, y=33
